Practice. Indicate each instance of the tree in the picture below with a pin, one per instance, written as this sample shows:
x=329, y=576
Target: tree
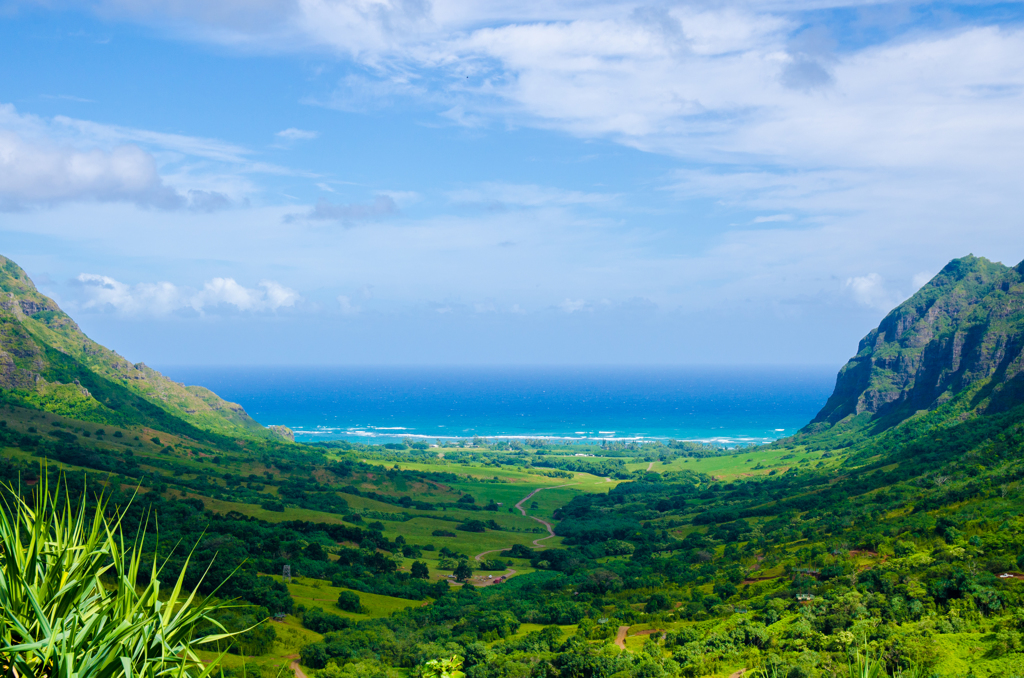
x=314, y=655
x=420, y=570
x=315, y=552
x=463, y=571
x=657, y=603
x=350, y=602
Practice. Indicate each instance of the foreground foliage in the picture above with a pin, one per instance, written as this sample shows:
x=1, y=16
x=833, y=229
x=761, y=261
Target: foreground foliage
x=69, y=603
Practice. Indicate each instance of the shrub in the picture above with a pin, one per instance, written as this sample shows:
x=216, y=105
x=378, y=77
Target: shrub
x=323, y=622
x=350, y=602
x=314, y=655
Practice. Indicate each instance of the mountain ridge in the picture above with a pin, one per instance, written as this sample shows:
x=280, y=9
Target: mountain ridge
x=961, y=332
x=45, y=356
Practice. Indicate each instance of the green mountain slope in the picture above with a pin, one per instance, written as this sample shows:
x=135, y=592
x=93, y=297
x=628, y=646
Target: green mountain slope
x=961, y=336
x=47, y=362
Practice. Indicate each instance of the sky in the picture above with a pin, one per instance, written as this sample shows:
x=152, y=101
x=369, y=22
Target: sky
x=407, y=182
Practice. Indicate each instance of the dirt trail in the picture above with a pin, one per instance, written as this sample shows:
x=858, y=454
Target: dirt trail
x=480, y=556
x=620, y=637
x=650, y=466
x=536, y=542
x=298, y=672
x=546, y=524
x=738, y=673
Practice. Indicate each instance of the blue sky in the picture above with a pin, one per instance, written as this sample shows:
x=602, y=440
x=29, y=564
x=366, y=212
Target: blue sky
x=415, y=182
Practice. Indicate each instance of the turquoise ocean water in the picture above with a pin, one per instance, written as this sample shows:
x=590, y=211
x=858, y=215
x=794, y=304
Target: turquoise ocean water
x=726, y=405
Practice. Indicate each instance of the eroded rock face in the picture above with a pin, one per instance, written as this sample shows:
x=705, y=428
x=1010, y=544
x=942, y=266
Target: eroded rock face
x=29, y=307
x=283, y=431
x=962, y=330
x=13, y=377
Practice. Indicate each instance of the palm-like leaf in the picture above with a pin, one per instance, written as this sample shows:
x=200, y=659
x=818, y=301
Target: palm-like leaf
x=58, y=620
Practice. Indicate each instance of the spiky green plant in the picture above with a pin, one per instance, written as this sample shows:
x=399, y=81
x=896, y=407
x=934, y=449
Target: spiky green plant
x=70, y=606
x=865, y=666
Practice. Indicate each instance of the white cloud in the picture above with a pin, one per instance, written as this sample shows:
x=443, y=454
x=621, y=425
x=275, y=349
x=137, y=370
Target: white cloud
x=93, y=132
x=736, y=82
x=44, y=161
x=143, y=298
x=348, y=213
x=573, y=305
x=497, y=194
x=33, y=172
x=293, y=134
x=347, y=307
x=729, y=86
x=103, y=292
x=869, y=290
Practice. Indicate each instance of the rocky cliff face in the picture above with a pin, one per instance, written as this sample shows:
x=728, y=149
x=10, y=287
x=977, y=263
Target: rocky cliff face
x=963, y=331
x=34, y=330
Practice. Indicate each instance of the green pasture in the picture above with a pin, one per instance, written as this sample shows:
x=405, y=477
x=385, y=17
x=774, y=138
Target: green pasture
x=256, y=511
x=418, y=531
x=743, y=464
x=291, y=636
x=525, y=629
x=319, y=593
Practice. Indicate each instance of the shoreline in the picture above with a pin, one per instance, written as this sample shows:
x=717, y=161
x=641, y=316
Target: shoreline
x=388, y=435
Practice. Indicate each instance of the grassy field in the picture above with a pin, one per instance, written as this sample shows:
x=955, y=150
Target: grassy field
x=312, y=593
x=744, y=464
x=174, y=458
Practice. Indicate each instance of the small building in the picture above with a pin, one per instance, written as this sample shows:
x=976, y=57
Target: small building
x=804, y=596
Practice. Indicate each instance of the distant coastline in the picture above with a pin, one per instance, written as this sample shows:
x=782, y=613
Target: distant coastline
x=727, y=406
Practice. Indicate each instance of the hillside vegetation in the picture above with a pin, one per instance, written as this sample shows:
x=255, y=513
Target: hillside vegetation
x=48, y=363
x=887, y=535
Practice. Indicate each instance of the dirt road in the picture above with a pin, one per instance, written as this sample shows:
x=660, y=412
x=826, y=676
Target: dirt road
x=620, y=637
x=536, y=542
x=546, y=524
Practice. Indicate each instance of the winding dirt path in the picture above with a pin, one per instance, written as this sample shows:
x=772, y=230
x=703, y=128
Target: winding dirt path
x=536, y=542
x=546, y=524
x=650, y=466
x=298, y=671
x=738, y=674
x=620, y=637
x=480, y=556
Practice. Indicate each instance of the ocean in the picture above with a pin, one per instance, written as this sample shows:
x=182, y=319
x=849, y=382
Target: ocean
x=386, y=404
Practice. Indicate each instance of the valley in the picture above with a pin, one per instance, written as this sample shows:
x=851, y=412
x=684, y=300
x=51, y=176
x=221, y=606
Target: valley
x=889, y=531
